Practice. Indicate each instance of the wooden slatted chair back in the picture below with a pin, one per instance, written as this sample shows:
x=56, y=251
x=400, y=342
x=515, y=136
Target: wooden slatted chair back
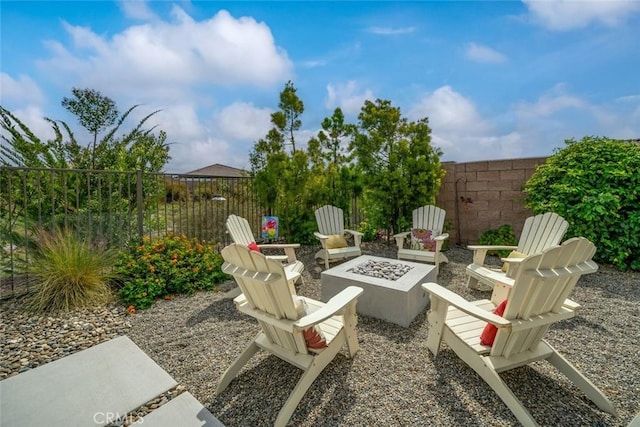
x=429, y=218
x=330, y=220
x=264, y=285
x=541, y=232
x=240, y=230
x=541, y=287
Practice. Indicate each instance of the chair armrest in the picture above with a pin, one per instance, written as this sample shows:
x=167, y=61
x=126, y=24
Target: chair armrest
x=491, y=248
x=514, y=266
x=462, y=304
x=443, y=236
x=357, y=237
x=334, y=306
x=480, y=251
x=279, y=245
x=323, y=239
x=289, y=249
x=400, y=238
x=320, y=235
x=512, y=260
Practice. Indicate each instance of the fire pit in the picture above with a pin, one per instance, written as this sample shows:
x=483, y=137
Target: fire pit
x=392, y=290
x=381, y=269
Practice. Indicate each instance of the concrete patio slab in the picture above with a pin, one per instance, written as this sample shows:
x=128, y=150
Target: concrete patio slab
x=183, y=411
x=95, y=386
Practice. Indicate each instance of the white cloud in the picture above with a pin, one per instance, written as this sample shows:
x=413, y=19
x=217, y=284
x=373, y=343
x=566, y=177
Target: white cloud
x=570, y=14
x=568, y=116
x=166, y=65
x=180, y=121
x=460, y=131
x=480, y=53
x=551, y=102
x=222, y=50
x=20, y=91
x=23, y=97
x=449, y=111
x=137, y=9
x=314, y=63
x=33, y=118
x=243, y=122
x=347, y=96
x=84, y=38
x=225, y=137
x=557, y=115
x=390, y=31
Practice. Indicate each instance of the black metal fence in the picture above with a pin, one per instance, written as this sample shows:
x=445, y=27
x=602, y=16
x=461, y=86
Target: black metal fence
x=112, y=208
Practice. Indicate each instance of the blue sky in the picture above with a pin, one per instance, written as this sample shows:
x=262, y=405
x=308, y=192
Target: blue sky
x=497, y=80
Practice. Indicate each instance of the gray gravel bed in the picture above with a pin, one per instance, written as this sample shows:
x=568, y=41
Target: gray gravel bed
x=392, y=381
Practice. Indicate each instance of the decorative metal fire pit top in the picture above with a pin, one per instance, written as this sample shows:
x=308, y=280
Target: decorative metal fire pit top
x=381, y=269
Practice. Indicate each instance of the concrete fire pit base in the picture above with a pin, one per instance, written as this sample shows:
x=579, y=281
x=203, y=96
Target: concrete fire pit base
x=397, y=301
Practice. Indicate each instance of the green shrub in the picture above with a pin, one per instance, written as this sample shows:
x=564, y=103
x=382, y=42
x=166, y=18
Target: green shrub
x=501, y=236
x=170, y=265
x=593, y=184
x=369, y=232
x=70, y=272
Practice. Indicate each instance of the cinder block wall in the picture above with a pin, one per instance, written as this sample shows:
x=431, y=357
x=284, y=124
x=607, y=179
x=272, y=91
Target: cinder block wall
x=479, y=196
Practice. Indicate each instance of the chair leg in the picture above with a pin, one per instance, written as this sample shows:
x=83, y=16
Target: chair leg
x=472, y=282
x=505, y=394
x=436, y=317
x=351, y=337
x=491, y=377
x=317, y=366
x=576, y=377
x=235, y=367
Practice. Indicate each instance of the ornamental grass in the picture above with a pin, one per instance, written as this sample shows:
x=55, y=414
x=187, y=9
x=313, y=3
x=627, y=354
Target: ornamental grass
x=70, y=272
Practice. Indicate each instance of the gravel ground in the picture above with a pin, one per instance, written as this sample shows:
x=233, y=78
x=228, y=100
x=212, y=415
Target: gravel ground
x=392, y=381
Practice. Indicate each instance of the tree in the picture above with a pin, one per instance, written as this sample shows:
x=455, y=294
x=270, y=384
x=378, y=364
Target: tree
x=400, y=169
x=71, y=193
x=95, y=112
x=21, y=147
x=593, y=183
x=280, y=177
x=139, y=148
x=334, y=178
x=287, y=120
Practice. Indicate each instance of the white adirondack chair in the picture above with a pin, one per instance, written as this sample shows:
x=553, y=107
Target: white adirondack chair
x=330, y=221
x=536, y=300
x=426, y=219
x=271, y=300
x=240, y=232
x=538, y=233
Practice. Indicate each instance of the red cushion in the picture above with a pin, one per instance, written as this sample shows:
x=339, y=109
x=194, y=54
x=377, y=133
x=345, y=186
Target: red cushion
x=489, y=332
x=254, y=247
x=314, y=337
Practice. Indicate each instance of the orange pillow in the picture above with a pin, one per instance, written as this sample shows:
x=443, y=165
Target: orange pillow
x=254, y=247
x=488, y=335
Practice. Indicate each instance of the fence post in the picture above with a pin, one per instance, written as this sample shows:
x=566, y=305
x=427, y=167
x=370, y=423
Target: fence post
x=139, y=203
